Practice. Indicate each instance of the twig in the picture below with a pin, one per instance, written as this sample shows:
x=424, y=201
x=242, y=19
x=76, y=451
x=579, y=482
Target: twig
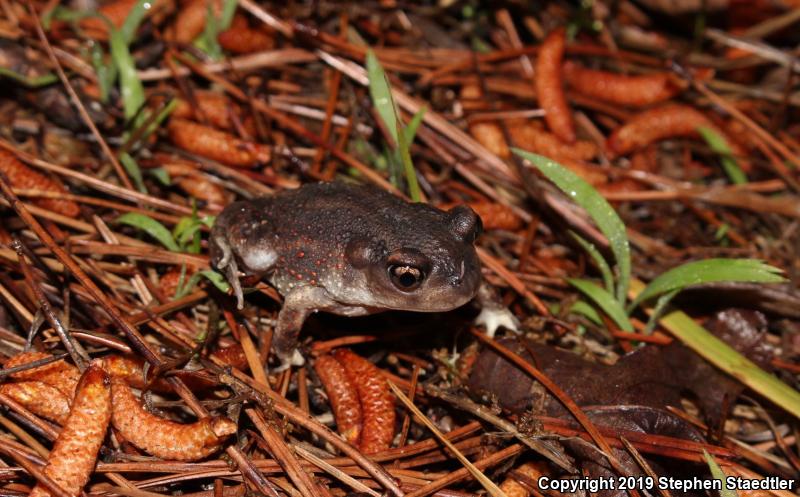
x=78, y=354
x=283, y=455
x=757, y=47
x=270, y=58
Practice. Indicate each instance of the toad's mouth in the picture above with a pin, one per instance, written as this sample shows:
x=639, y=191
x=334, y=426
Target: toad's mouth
x=433, y=302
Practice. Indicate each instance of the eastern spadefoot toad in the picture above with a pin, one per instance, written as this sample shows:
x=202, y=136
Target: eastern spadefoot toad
x=350, y=250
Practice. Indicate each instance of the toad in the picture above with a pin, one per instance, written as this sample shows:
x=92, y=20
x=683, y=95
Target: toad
x=352, y=250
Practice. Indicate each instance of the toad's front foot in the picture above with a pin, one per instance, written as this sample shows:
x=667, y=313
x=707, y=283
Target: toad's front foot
x=494, y=315
x=293, y=358
x=297, y=305
x=494, y=318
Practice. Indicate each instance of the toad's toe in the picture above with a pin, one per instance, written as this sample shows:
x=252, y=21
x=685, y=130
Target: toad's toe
x=493, y=318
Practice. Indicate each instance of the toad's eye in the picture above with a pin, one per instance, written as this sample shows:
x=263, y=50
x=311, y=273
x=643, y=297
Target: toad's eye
x=406, y=278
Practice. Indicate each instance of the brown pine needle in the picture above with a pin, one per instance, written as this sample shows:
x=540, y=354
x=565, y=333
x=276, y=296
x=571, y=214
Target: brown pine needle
x=490, y=487
x=334, y=471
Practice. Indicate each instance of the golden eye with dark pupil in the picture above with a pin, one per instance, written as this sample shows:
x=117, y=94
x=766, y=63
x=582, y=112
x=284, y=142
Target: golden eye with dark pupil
x=406, y=277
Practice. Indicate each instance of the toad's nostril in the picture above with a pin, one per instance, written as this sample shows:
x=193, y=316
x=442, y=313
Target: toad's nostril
x=461, y=270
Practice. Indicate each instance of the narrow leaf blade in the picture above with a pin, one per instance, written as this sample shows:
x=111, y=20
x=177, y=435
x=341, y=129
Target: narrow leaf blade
x=381, y=94
x=604, y=301
x=720, y=146
x=130, y=86
x=134, y=19
x=133, y=170
x=228, y=10
x=30, y=82
x=214, y=277
x=599, y=260
x=207, y=41
x=598, y=209
x=410, y=131
x=408, y=168
x=710, y=271
x=717, y=473
x=658, y=310
x=585, y=309
x=151, y=227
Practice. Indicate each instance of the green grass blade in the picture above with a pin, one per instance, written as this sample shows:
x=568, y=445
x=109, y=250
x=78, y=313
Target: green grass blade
x=151, y=227
x=106, y=73
x=179, y=288
x=66, y=14
x=134, y=19
x=410, y=131
x=599, y=260
x=217, y=279
x=208, y=40
x=720, y=146
x=160, y=117
x=184, y=224
x=381, y=94
x=133, y=170
x=585, y=309
x=598, y=209
x=658, y=310
x=129, y=84
x=228, y=10
x=709, y=271
x=190, y=237
x=30, y=82
x=604, y=301
x=214, y=277
x=721, y=233
x=718, y=474
x=408, y=167
x=208, y=221
x=723, y=356
x=161, y=175
x=391, y=162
